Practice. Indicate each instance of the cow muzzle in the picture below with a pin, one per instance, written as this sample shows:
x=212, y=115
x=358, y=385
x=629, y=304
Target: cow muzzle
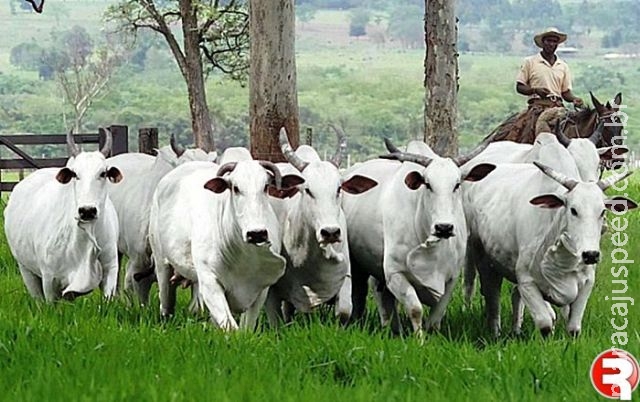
x=330, y=234
x=443, y=230
x=591, y=257
x=87, y=213
x=257, y=237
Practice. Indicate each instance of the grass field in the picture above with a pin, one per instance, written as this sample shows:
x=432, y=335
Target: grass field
x=115, y=351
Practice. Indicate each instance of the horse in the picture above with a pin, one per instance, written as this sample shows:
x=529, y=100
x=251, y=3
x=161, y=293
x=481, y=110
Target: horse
x=578, y=123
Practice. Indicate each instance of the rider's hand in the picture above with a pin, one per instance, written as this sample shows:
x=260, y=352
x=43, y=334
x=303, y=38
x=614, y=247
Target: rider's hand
x=541, y=92
x=577, y=102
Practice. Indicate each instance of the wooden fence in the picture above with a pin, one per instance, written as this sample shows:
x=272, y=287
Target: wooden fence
x=26, y=161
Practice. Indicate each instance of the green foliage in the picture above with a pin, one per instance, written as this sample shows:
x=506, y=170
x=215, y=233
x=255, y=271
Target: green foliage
x=27, y=56
x=404, y=27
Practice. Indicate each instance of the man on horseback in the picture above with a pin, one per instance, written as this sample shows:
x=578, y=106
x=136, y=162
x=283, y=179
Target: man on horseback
x=546, y=80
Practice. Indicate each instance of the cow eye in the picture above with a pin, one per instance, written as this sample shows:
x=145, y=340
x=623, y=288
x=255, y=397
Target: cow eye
x=306, y=190
x=338, y=192
x=457, y=187
x=427, y=185
x=235, y=189
x=574, y=212
x=602, y=213
x=103, y=174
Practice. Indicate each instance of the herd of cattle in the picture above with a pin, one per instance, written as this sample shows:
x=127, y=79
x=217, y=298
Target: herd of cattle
x=290, y=236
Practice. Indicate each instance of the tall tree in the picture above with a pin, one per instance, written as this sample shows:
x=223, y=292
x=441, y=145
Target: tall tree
x=213, y=29
x=272, y=72
x=441, y=77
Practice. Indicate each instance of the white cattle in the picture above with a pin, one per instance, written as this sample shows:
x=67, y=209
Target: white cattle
x=132, y=201
x=62, y=228
x=409, y=232
x=550, y=255
x=219, y=231
x=315, y=234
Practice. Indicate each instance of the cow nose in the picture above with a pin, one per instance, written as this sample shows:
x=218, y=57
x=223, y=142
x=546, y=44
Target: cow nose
x=444, y=230
x=330, y=234
x=87, y=213
x=257, y=236
x=591, y=257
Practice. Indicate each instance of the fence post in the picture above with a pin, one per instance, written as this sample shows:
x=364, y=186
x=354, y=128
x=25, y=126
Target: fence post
x=148, y=140
x=120, y=139
x=309, y=136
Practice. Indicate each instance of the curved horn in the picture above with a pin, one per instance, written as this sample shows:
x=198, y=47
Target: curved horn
x=226, y=168
x=597, y=133
x=270, y=166
x=559, y=132
x=177, y=148
x=390, y=147
x=72, y=148
x=342, y=145
x=108, y=143
x=462, y=159
x=566, y=181
x=613, y=179
x=398, y=155
x=288, y=153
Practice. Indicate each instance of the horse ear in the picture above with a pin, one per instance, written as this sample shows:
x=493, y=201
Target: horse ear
x=596, y=103
x=617, y=101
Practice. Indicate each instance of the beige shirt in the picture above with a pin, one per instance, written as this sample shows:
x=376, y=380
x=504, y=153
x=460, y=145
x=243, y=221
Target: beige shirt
x=537, y=72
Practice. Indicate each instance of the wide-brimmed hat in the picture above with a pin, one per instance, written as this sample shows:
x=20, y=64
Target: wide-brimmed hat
x=549, y=32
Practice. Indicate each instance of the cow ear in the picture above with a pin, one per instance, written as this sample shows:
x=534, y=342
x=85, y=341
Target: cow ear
x=282, y=193
x=609, y=153
x=358, y=184
x=414, y=180
x=620, y=204
x=217, y=185
x=65, y=175
x=617, y=100
x=547, y=201
x=114, y=174
x=479, y=172
x=291, y=180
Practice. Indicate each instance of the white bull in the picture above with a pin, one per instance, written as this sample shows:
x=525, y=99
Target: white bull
x=315, y=234
x=219, y=231
x=550, y=255
x=132, y=201
x=62, y=228
x=409, y=232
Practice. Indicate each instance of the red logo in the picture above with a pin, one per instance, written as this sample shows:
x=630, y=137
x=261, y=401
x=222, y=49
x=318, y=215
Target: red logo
x=614, y=374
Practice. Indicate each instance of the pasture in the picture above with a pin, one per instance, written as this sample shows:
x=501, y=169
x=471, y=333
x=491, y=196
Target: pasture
x=96, y=350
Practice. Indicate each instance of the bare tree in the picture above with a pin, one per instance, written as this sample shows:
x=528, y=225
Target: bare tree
x=82, y=70
x=210, y=28
x=441, y=77
x=272, y=86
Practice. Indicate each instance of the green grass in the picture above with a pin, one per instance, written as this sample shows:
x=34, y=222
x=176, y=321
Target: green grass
x=115, y=351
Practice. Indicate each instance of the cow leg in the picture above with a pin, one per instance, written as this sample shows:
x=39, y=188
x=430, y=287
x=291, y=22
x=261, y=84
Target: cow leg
x=406, y=294
x=166, y=289
x=108, y=258
x=386, y=303
x=358, y=295
x=288, y=311
x=490, y=286
x=437, y=312
x=534, y=301
x=517, y=311
x=469, y=273
x=273, y=308
x=195, y=305
x=576, y=311
x=344, y=302
x=139, y=277
x=32, y=282
x=249, y=318
x=50, y=288
x=213, y=296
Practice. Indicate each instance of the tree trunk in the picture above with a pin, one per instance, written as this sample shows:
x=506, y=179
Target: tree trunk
x=272, y=82
x=200, y=118
x=441, y=77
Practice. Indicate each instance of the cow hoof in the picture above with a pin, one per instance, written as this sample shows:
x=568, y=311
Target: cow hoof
x=574, y=333
x=546, y=331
